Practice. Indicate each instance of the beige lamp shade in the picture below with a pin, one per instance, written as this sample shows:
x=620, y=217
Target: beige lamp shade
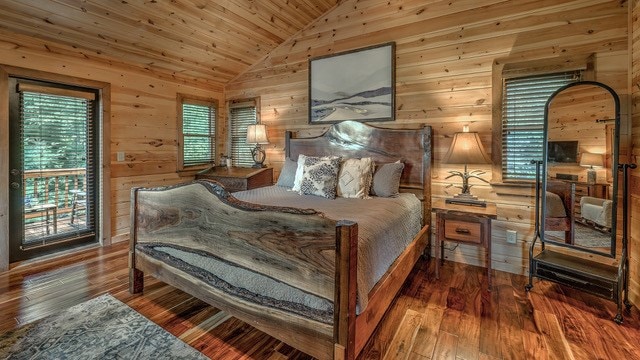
x=466, y=148
x=257, y=134
x=591, y=160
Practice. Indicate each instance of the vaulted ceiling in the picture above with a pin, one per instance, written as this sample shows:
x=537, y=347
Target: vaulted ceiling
x=192, y=39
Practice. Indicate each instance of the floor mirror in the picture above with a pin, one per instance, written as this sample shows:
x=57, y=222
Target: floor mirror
x=577, y=194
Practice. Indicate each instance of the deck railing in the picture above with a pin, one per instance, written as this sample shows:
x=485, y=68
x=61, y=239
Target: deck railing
x=53, y=186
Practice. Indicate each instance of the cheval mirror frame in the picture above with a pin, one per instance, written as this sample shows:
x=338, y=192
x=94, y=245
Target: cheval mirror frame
x=588, y=124
x=589, y=99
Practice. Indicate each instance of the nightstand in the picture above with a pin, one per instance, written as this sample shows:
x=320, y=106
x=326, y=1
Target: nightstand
x=238, y=178
x=463, y=224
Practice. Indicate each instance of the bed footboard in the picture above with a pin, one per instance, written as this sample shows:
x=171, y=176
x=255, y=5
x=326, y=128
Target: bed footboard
x=183, y=235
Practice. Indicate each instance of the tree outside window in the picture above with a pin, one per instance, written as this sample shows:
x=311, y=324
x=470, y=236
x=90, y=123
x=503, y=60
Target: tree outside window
x=523, y=105
x=197, y=132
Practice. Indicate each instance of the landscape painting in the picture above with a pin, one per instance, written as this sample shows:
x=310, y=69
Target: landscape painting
x=354, y=85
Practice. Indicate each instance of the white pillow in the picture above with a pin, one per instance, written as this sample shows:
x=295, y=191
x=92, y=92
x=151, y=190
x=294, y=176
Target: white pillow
x=297, y=180
x=320, y=176
x=354, y=178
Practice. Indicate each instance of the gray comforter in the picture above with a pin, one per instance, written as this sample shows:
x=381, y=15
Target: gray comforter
x=385, y=226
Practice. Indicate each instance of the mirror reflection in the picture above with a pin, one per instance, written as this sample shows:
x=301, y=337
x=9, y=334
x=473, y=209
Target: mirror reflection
x=579, y=208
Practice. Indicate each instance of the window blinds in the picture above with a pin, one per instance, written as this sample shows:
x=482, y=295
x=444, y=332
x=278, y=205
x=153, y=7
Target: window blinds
x=523, y=105
x=198, y=131
x=59, y=141
x=241, y=116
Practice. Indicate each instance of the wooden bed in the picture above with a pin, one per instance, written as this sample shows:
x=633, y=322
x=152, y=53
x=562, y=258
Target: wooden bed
x=565, y=191
x=302, y=248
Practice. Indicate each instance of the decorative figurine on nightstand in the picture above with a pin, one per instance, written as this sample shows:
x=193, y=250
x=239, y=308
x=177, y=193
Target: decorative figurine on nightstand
x=466, y=148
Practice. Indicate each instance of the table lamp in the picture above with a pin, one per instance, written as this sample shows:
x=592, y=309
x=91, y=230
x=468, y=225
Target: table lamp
x=257, y=135
x=466, y=148
x=591, y=160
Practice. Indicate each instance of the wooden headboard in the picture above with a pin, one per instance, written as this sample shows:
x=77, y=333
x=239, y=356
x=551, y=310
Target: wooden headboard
x=352, y=139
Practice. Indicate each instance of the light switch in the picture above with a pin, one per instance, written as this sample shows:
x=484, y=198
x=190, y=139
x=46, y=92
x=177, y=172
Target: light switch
x=120, y=155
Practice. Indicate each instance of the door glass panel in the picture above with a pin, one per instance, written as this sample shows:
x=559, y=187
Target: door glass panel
x=53, y=167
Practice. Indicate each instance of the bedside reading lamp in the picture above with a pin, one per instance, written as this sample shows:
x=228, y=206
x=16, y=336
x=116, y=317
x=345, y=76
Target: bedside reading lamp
x=257, y=135
x=466, y=148
x=590, y=160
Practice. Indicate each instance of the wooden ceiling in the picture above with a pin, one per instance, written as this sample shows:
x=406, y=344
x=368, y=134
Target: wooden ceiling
x=191, y=39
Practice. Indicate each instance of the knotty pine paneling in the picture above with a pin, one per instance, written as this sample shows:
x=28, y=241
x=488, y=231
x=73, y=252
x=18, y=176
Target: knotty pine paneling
x=192, y=40
x=143, y=117
x=445, y=54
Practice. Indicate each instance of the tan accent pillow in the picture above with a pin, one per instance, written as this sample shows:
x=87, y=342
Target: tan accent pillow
x=354, y=178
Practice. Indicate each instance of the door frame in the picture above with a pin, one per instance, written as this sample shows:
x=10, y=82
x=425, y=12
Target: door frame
x=104, y=163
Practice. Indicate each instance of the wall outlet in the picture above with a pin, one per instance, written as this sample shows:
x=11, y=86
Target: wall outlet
x=120, y=156
x=512, y=236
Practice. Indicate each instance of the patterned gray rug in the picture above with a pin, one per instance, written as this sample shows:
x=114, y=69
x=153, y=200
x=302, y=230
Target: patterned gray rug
x=101, y=328
x=584, y=236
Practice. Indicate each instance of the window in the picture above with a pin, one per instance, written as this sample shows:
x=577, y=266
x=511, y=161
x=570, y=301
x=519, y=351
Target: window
x=242, y=113
x=523, y=103
x=197, y=126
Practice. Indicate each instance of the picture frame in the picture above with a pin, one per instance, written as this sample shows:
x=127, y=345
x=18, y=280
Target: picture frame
x=353, y=85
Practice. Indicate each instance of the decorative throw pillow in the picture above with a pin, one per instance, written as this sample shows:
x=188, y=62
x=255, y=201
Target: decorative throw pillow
x=297, y=180
x=287, y=174
x=320, y=176
x=354, y=178
x=386, y=180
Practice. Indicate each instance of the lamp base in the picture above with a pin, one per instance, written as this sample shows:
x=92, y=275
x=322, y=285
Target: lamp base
x=466, y=199
x=591, y=177
x=259, y=157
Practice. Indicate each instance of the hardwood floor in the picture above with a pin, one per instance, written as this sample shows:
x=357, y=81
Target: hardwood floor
x=447, y=319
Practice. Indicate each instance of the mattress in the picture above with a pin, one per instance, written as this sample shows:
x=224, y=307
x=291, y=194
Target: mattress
x=385, y=226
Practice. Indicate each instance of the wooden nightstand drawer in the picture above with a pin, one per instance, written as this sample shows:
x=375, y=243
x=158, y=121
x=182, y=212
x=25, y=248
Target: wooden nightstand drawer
x=232, y=184
x=463, y=231
x=239, y=178
x=464, y=224
x=582, y=190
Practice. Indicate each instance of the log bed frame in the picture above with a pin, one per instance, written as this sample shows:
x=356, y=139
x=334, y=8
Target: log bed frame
x=299, y=247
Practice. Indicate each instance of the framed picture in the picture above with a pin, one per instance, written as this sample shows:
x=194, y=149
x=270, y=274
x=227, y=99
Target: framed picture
x=353, y=85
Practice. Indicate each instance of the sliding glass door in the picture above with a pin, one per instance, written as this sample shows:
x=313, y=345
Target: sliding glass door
x=53, y=167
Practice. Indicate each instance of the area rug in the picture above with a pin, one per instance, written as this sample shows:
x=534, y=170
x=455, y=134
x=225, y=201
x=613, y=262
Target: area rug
x=585, y=236
x=101, y=328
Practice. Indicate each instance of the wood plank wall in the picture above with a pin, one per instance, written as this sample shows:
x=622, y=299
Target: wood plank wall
x=634, y=199
x=445, y=55
x=143, y=115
